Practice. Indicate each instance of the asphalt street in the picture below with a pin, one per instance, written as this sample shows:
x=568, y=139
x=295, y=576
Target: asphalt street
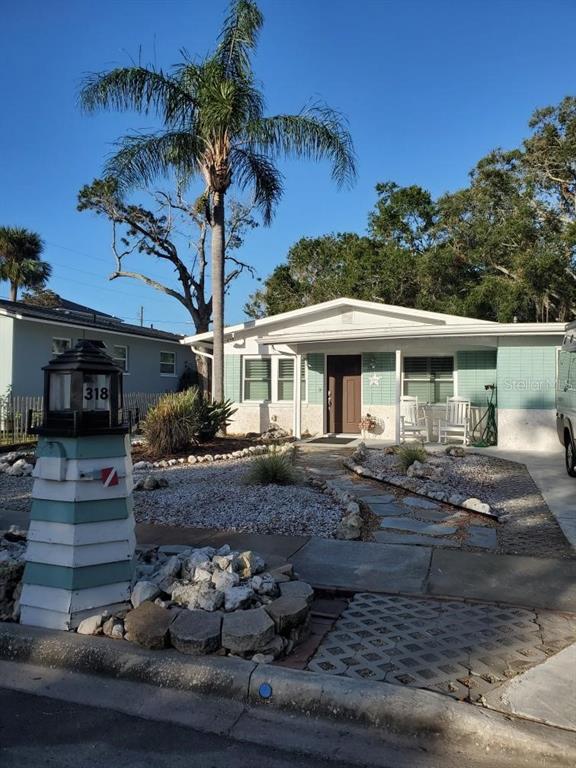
x=38, y=732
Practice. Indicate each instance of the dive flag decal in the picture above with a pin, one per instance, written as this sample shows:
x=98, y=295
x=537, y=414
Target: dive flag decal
x=109, y=476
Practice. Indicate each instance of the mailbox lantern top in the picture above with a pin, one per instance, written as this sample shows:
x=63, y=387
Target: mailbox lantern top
x=82, y=393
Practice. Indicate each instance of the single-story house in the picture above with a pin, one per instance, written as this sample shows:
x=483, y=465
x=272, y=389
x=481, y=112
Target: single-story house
x=321, y=369
x=30, y=336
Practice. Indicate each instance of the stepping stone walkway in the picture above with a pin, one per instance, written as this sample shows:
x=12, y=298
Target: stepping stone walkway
x=479, y=536
x=417, y=526
x=387, y=510
x=389, y=537
x=403, y=518
x=418, y=502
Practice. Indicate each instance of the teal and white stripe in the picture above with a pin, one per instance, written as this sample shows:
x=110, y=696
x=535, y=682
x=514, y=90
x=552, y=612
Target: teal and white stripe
x=81, y=539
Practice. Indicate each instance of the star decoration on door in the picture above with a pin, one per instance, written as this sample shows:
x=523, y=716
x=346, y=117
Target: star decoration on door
x=374, y=380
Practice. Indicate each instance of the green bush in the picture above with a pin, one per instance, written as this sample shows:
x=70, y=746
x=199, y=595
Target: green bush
x=272, y=469
x=219, y=413
x=409, y=453
x=182, y=419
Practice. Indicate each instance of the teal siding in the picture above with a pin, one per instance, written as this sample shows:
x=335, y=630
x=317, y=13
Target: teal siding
x=475, y=369
x=316, y=363
x=233, y=378
x=93, y=447
x=383, y=366
x=76, y=512
x=526, y=377
x=89, y=576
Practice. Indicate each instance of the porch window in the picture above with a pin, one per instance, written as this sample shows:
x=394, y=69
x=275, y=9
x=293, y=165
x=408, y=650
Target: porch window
x=430, y=379
x=257, y=379
x=286, y=378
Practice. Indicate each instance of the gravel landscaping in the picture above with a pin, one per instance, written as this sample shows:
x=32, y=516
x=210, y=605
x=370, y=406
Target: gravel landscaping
x=217, y=496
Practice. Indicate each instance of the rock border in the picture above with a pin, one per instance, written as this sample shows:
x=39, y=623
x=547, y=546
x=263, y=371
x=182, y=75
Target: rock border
x=209, y=458
x=470, y=504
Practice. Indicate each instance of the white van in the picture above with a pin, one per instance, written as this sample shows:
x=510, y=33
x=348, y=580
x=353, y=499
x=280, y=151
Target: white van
x=566, y=397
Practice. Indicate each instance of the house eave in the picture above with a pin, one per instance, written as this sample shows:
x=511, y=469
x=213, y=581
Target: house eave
x=424, y=332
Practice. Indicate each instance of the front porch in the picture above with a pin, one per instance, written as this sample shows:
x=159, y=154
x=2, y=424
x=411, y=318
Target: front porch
x=342, y=386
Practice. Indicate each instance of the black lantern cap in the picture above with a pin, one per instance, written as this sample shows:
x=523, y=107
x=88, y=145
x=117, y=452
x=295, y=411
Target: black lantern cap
x=87, y=408
x=87, y=355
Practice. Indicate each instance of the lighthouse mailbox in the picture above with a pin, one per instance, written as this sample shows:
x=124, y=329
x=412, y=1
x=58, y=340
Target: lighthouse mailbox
x=81, y=537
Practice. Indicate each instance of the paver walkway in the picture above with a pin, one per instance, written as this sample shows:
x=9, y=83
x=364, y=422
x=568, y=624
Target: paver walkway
x=461, y=649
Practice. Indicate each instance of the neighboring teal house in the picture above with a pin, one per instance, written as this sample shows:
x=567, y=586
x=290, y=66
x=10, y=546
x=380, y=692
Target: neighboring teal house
x=30, y=336
x=320, y=369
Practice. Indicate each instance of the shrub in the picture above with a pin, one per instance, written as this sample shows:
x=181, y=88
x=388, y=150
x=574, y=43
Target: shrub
x=409, y=453
x=182, y=419
x=173, y=424
x=218, y=415
x=272, y=469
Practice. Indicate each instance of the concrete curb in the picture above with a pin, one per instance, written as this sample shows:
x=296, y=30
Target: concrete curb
x=407, y=714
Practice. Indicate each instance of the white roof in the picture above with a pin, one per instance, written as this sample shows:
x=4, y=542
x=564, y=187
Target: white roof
x=298, y=317
x=466, y=330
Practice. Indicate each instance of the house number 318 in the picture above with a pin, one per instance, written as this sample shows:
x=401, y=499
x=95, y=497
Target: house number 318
x=96, y=393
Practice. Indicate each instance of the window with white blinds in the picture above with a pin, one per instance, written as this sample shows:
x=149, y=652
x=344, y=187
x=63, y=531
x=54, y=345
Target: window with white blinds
x=430, y=379
x=257, y=379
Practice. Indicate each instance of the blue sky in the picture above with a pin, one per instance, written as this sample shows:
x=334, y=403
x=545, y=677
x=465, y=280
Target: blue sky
x=428, y=86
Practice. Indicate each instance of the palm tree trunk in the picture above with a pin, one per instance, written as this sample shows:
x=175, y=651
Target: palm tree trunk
x=13, y=291
x=217, y=250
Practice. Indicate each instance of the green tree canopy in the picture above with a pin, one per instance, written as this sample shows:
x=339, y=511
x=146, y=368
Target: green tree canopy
x=503, y=247
x=20, y=263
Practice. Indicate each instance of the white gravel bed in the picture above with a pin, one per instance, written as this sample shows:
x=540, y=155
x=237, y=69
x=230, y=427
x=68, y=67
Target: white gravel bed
x=215, y=496
x=218, y=497
x=474, y=475
x=15, y=493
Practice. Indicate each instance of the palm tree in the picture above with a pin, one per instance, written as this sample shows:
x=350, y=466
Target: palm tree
x=20, y=264
x=214, y=127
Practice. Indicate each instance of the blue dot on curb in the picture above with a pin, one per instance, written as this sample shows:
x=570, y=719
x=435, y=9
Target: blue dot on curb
x=265, y=690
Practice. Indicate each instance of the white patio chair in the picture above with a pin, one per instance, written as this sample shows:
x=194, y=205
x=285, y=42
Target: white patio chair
x=412, y=420
x=456, y=423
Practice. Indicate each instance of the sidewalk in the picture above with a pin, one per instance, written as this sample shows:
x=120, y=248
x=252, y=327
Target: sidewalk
x=360, y=566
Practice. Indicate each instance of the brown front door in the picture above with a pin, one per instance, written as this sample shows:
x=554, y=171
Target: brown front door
x=344, y=393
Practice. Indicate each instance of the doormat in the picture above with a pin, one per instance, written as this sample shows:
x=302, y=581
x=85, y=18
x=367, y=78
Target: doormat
x=333, y=440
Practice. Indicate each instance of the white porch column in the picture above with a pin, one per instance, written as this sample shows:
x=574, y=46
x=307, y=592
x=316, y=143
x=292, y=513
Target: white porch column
x=398, y=392
x=297, y=413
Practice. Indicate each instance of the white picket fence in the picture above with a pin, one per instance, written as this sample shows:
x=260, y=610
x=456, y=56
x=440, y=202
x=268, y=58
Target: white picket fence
x=15, y=413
